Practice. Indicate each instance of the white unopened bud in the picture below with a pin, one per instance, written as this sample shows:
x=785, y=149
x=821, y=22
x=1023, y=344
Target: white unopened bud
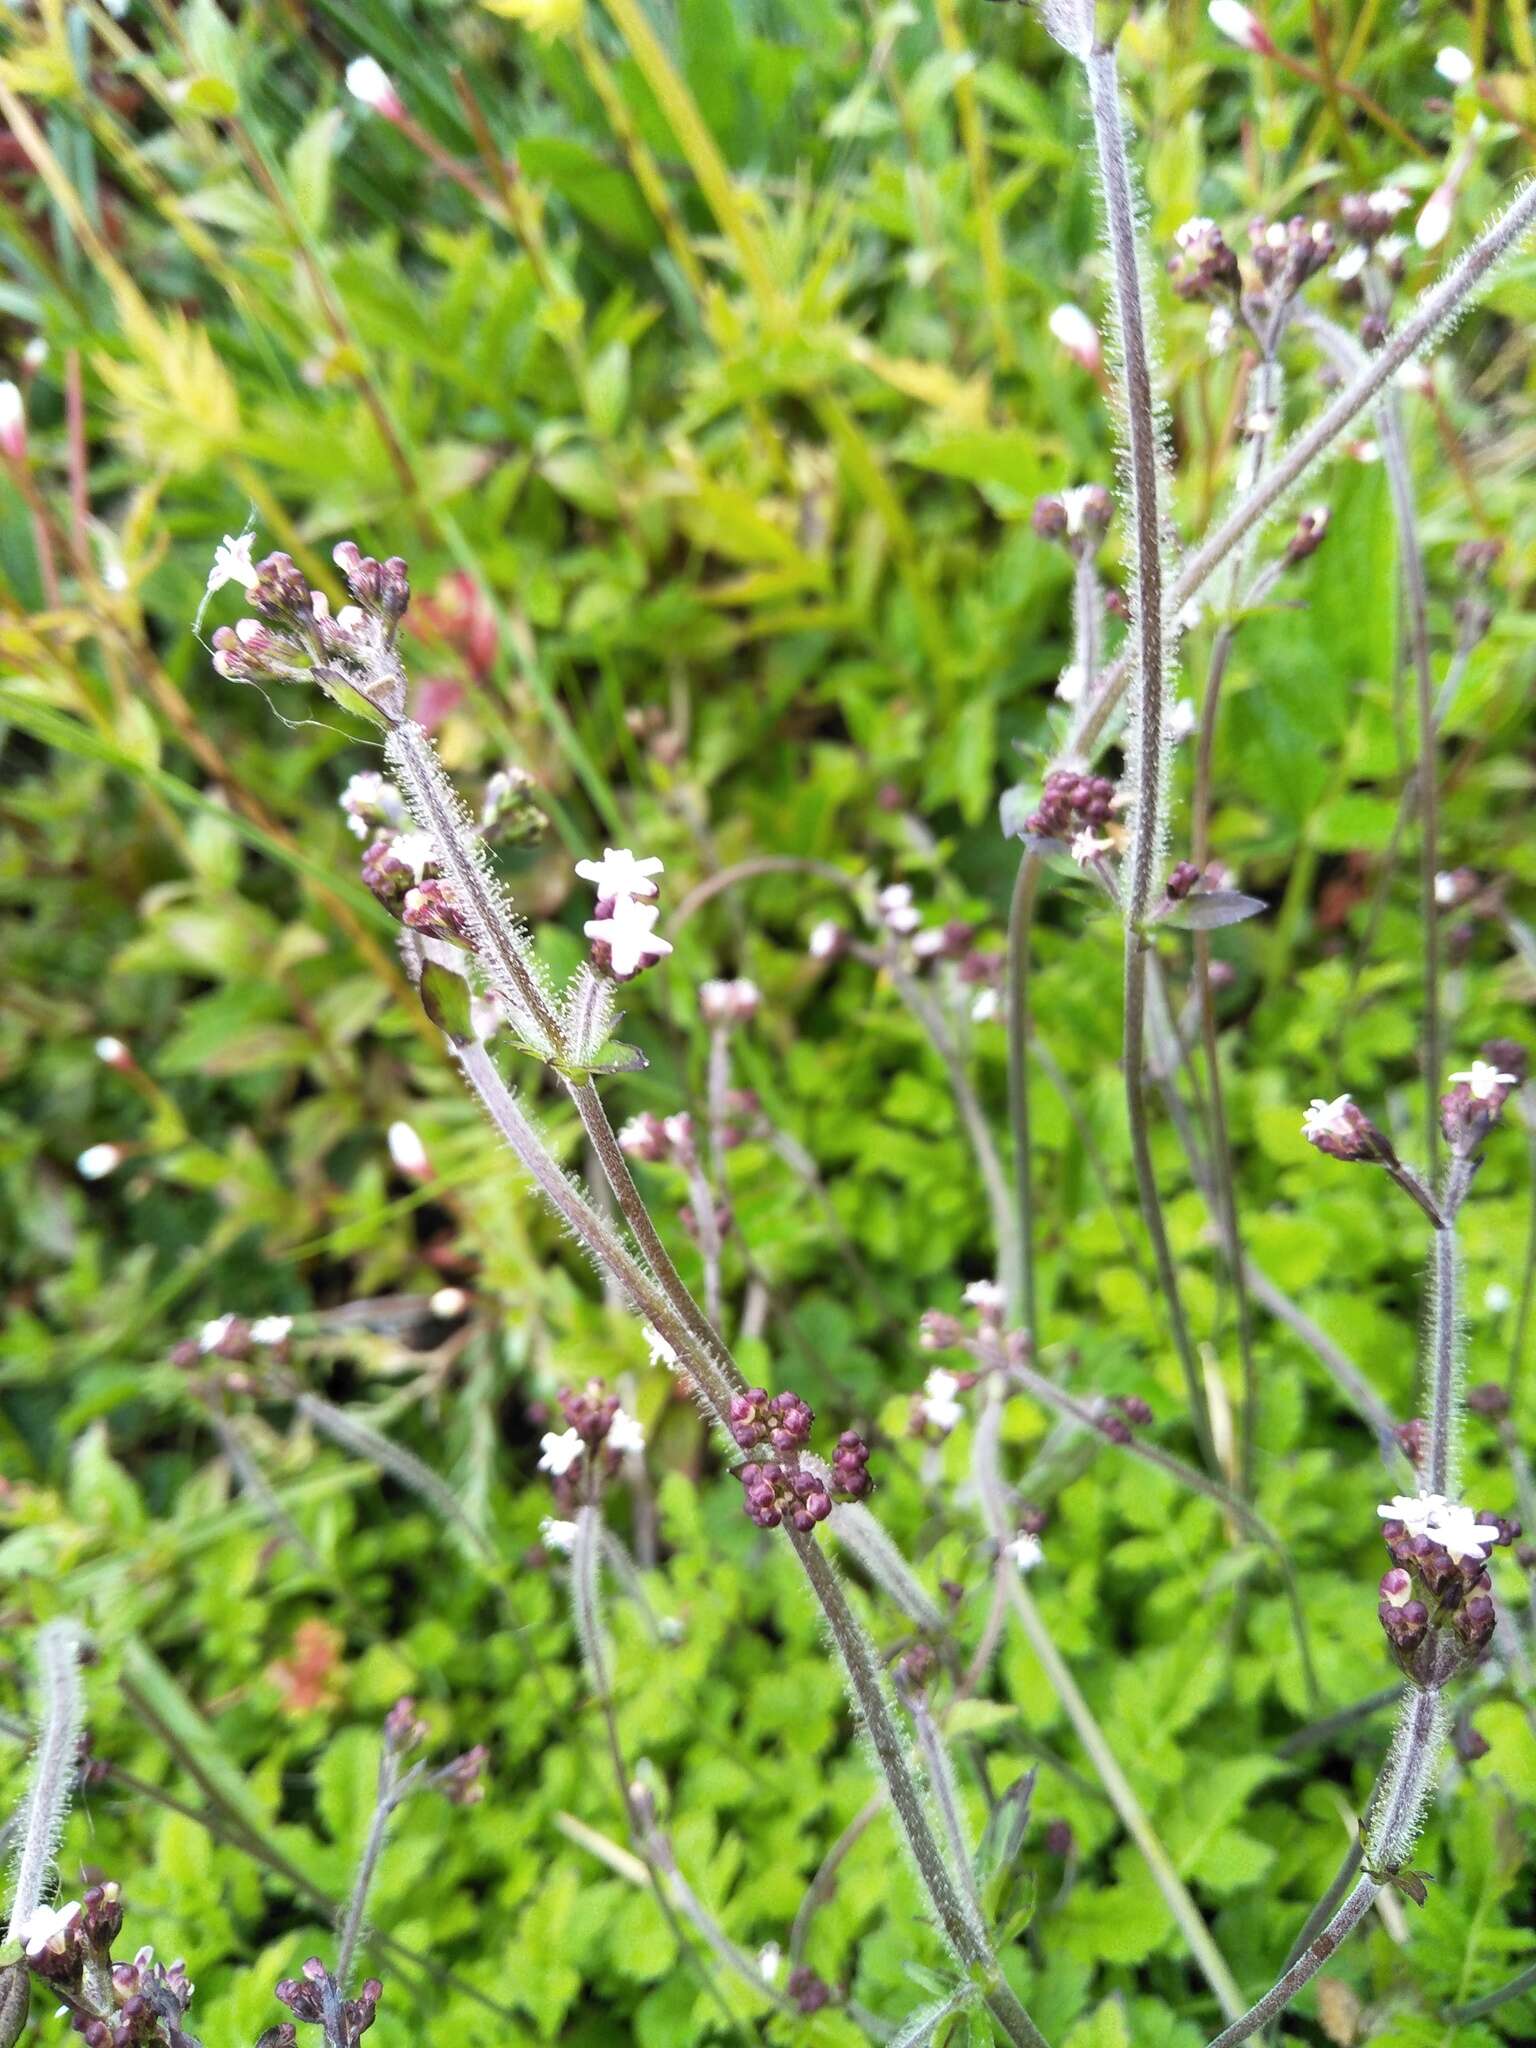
x=1077, y=335
x=97, y=1161
x=408, y=1153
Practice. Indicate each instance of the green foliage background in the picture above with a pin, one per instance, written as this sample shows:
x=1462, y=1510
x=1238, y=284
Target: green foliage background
x=719, y=363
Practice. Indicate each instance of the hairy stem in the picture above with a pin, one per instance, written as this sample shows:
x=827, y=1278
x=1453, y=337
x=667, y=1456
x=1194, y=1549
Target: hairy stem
x=51, y=1783
x=1020, y=1288
x=1440, y=1458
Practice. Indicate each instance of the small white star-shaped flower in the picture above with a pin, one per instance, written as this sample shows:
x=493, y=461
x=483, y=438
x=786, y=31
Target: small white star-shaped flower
x=232, y=563
x=629, y=935
x=1484, y=1079
x=1327, y=1119
x=938, y=1401
x=984, y=1295
x=1416, y=1511
x=558, y=1453
x=212, y=1335
x=46, y=1929
x=987, y=1008
x=1026, y=1551
x=1071, y=683
x=619, y=873
x=1460, y=1535
x=1087, y=846
x=661, y=1351
x=557, y=1536
x=625, y=1433
x=271, y=1329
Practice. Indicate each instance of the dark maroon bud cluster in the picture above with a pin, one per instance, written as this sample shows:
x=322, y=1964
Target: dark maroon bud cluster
x=1373, y=331
x=1311, y=532
x=1468, y=1744
x=645, y=1137
x=1489, y=1399
x=387, y=876
x=404, y=1730
x=940, y=1331
x=1436, y=1607
x=917, y=1668
x=1202, y=265
x=1114, y=1426
x=463, y=1780
x=1286, y=253
x=1468, y=1115
x=382, y=587
x=1412, y=1439
x=1059, y=1839
x=296, y=638
x=1404, y=1618
x=1069, y=801
x=1182, y=878
x=101, y=1916
x=1134, y=1409
x=590, y=1413
x=1049, y=518
x=981, y=969
x=432, y=909
x=850, y=1466
x=315, y=2000
x=774, y=1492
x=807, y=1991
x=1350, y=1135
x=782, y=1421
x=1368, y=216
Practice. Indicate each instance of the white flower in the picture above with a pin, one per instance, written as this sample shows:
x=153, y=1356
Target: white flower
x=1087, y=846
x=938, y=1401
x=987, y=1007
x=232, y=563
x=97, y=1161
x=1328, y=1119
x=1389, y=202
x=35, y=354
x=1497, y=1298
x=661, y=1351
x=557, y=1454
x=371, y=792
x=369, y=82
x=1414, y=1510
x=1240, y=26
x=1483, y=1079
x=1454, y=65
x=1218, y=329
x=13, y=422
x=1195, y=229
x=929, y=944
x=418, y=850
x=1183, y=719
x=1350, y=264
x=984, y=1295
x=768, y=1961
x=46, y=1928
x=1076, y=503
x=826, y=940
x=1434, y=222
x=618, y=873
x=1026, y=1551
x=625, y=1433
x=1447, y=888
x=408, y=1152
x=271, y=1329
x=898, y=913
x=1077, y=335
x=629, y=936
x=448, y=1302
x=1071, y=683
x=557, y=1536
x=113, y=1053
x=212, y=1335
x=1455, y=1528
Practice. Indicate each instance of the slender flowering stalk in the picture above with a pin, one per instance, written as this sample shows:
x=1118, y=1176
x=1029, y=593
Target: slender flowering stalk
x=54, y=1764
x=1428, y=319
x=1149, y=757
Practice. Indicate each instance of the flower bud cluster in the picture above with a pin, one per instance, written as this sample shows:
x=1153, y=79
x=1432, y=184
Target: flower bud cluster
x=110, y=2005
x=724, y=1003
x=667, y=1140
x=1436, y=1606
x=1475, y=1100
x=1070, y=802
x=234, y=1339
x=1367, y=217
x=315, y=1999
x=295, y=638
x=1311, y=532
x=1078, y=518
x=1285, y=254
x=1203, y=265
x=777, y=1488
x=1345, y=1132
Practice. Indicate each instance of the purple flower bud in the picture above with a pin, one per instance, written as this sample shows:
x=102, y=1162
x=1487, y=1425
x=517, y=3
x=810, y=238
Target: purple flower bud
x=806, y=1990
